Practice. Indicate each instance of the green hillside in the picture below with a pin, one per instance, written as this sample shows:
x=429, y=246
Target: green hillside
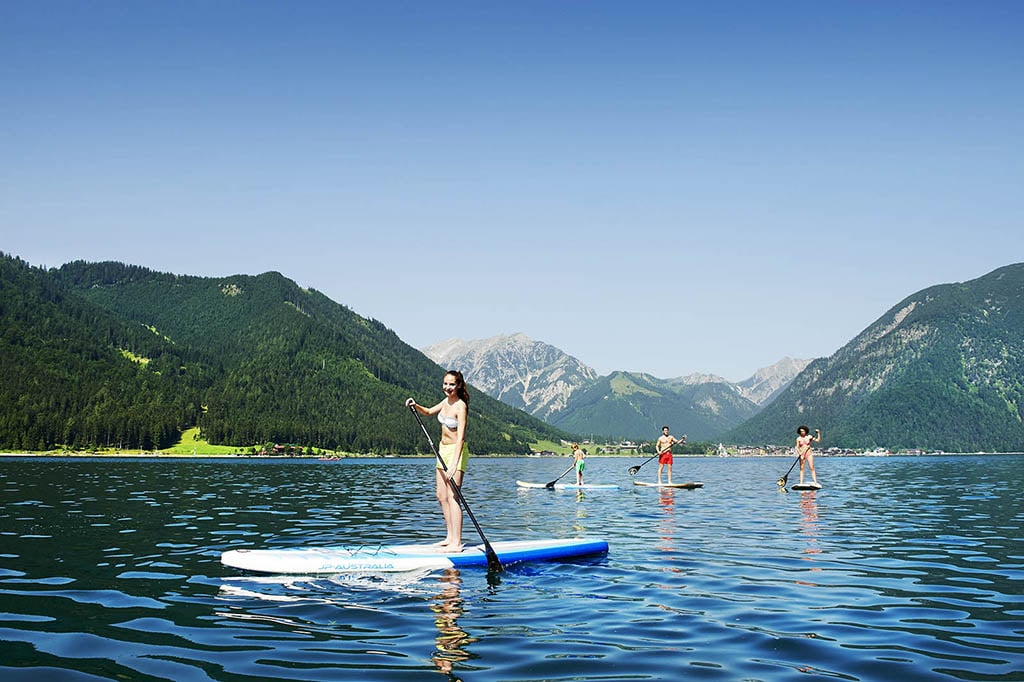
x=76, y=374
x=943, y=369
x=250, y=359
x=636, y=406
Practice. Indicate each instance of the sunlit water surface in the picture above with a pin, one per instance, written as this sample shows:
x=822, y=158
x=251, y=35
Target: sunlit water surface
x=899, y=569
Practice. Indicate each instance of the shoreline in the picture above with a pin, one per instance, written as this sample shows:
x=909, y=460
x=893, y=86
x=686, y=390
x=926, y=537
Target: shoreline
x=330, y=458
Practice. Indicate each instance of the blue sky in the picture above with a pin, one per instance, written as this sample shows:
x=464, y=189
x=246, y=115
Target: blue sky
x=668, y=187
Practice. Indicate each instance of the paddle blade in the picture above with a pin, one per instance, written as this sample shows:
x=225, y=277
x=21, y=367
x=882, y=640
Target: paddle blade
x=781, y=482
x=633, y=470
x=551, y=484
x=493, y=577
x=493, y=563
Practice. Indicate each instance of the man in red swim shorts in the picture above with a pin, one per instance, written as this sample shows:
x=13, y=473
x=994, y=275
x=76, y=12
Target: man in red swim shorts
x=664, y=447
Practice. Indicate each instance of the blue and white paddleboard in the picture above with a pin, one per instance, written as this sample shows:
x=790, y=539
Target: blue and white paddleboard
x=320, y=560
x=690, y=485
x=568, y=486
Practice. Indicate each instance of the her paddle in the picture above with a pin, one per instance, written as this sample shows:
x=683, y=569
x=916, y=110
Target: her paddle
x=633, y=470
x=782, y=481
x=551, y=484
x=493, y=564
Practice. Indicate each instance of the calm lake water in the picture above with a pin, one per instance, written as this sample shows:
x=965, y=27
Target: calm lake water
x=900, y=568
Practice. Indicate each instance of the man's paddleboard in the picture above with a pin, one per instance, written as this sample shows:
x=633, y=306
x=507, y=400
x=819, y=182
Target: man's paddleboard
x=690, y=485
x=805, y=486
x=568, y=486
x=319, y=560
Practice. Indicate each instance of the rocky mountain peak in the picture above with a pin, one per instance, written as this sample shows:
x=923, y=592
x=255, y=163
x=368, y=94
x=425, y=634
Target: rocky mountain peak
x=767, y=382
x=532, y=375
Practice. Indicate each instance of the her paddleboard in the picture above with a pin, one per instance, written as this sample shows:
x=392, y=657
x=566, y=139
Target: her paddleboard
x=321, y=560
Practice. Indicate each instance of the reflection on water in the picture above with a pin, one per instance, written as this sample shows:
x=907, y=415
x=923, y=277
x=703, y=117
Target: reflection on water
x=451, y=639
x=666, y=521
x=809, y=522
x=579, y=526
x=901, y=568
x=667, y=499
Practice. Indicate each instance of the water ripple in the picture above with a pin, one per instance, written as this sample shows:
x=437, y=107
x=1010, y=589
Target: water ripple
x=899, y=567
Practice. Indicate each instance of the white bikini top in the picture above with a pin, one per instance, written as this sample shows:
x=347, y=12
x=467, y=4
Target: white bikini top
x=449, y=422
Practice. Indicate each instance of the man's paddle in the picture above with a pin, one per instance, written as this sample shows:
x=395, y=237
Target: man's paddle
x=551, y=484
x=493, y=563
x=782, y=481
x=634, y=469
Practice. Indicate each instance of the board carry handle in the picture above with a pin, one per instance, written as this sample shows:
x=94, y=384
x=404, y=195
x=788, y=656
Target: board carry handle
x=493, y=563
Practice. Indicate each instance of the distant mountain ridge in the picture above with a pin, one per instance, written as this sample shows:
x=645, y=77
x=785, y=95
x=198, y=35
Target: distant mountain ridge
x=943, y=369
x=558, y=388
x=636, y=406
x=108, y=354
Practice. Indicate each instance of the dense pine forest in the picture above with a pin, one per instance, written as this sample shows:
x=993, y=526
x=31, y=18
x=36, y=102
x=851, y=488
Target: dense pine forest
x=114, y=355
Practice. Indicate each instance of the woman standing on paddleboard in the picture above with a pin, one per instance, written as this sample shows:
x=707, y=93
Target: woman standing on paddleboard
x=452, y=412
x=806, y=453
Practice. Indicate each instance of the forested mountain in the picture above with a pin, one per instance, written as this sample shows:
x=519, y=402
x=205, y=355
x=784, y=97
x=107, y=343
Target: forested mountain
x=107, y=354
x=72, y=372
x=943, y=369
x=636, y=406
x=250, y=359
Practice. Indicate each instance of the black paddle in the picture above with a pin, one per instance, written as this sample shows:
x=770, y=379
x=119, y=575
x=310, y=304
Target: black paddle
x=634, y=469
x=493, y=564
x=782, y=481
x=551, y=484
